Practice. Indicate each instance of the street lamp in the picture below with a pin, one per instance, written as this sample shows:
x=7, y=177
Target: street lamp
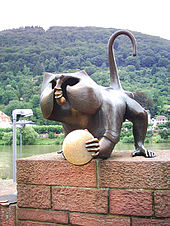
x=21, y=125
x=23, y=113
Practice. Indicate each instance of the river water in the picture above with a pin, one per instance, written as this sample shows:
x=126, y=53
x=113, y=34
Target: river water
x=30, y=150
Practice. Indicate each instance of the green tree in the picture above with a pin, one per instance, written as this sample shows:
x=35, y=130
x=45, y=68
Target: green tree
x=35, y=100
x=29, y=135
x=15, y=104
x=142, y=98
x=8, y=95
x=163, y=62
x=51, y=135
x=164, y=134
x=7, y=138
x=148, y=61
x=127, y=125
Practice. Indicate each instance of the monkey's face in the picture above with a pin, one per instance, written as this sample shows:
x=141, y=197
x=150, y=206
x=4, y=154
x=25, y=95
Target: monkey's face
x=59, y=85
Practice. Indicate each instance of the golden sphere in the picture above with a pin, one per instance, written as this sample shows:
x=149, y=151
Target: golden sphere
x=74, y=147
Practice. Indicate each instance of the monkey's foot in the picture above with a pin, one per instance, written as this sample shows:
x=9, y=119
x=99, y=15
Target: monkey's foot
x=61, y=152
x=93, y=146
x=143, y=152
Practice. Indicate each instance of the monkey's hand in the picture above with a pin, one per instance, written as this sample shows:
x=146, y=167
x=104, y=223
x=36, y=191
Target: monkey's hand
x=58, y=93
x=102, y=148
x=93, y=146
x=106, y=148
x=143, y=152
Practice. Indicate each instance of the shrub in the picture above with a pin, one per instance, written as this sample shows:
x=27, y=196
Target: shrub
x=129, y=139
x=164, y=133
x=51, y=135
x=59, y=139
x=49, y=128
x=157, y=139
x=1, y=135
x=29, y=135
x=7, y=138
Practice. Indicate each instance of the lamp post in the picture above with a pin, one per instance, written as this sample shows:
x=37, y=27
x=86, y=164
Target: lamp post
x=19, y=112
x=21, y=126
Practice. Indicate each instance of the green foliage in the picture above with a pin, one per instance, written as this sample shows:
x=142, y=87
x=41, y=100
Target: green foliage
x=129, y=139
x=167, y=125
x=59, y=139
x=164, y=126
x=45, y=141
x=1, y=135
x=51, y=135
x=127, y=125
x=7, y=138
x=48, y=129
x=157, y=139
x=29, y=136
x=164, y=134
x=6, y=130
x=149, y=134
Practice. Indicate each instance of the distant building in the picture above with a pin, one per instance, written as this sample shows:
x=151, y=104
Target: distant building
x=5, y=121
x=161, y=119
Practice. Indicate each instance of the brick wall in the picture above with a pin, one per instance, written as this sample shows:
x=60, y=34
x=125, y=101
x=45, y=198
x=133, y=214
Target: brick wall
x=7, y=215
x=119, y=191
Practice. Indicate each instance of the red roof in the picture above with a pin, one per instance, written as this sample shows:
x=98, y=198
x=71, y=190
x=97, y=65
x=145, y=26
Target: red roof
x=161, y=117
x=4, y=117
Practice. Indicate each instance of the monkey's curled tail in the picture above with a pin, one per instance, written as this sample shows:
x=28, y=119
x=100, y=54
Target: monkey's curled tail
x=114, y=79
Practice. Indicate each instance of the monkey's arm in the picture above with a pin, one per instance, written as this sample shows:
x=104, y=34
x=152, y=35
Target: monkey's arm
x=114, y=110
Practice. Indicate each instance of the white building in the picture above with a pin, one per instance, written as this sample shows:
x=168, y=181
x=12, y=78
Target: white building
x=5, y=121
x=159, y=120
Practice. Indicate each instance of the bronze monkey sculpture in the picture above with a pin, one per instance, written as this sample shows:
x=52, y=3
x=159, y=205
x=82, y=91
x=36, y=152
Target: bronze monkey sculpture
x=79, y=103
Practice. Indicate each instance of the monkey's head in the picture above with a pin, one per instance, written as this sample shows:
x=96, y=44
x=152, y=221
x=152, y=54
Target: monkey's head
x=77, y=89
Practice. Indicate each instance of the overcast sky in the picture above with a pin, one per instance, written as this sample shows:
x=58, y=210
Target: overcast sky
x=146, y=16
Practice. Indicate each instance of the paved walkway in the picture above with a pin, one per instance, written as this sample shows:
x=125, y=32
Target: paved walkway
x=7, y=187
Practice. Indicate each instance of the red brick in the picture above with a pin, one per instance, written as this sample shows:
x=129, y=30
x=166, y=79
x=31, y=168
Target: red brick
x=42, y=215
x=162, y=203
x=7, y=215
x=150, y=222
x=51, y=169
x=32, y=223
x=79, y=199
x=128, y=202
x=96, y=220
x=133, y=174
x=33, y=196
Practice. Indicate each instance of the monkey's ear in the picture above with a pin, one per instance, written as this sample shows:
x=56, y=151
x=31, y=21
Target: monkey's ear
x=47, y=95
x=48, y=77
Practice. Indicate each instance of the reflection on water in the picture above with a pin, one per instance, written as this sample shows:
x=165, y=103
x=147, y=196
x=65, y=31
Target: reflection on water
x=30, y=150
x=27, y=151
x=152, y=147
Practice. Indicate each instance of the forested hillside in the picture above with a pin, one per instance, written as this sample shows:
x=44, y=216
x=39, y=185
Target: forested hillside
x=26, y=53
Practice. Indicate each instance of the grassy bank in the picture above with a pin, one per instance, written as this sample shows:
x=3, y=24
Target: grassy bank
x=49, y=141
